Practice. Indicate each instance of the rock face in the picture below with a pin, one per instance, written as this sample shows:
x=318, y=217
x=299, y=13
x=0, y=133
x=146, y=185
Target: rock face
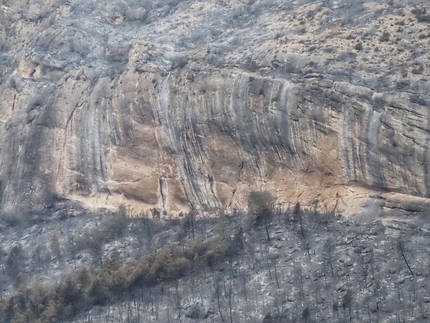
x=176, y=105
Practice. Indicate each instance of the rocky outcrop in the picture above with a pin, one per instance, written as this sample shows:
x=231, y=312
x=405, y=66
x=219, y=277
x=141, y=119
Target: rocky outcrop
x=185, y=105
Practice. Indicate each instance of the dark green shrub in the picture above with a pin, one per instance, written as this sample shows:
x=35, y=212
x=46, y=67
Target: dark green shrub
x=98, y=293
x=71, y=296
x=260, y=206
x=421, y=15
x=15, y=261
x=358, y=46
x=216, y=251
x=385, y=37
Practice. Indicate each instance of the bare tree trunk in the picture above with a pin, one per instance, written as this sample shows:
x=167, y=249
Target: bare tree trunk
x=230, y=302
x=401, y=247
x=218, y=299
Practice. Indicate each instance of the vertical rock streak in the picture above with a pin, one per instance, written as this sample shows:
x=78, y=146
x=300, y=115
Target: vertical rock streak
x=208, y=142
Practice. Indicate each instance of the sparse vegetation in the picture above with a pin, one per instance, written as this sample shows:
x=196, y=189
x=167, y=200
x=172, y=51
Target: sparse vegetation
x=82, y=289
x=330, y=265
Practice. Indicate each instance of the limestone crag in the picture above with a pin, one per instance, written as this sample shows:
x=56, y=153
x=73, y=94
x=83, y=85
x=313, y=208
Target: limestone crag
x=176, y=105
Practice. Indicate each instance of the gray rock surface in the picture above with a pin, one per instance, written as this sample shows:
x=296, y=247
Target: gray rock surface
x=177, y=105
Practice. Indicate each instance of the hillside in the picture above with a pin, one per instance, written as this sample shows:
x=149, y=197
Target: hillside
x=295, y=267
x=214, y=161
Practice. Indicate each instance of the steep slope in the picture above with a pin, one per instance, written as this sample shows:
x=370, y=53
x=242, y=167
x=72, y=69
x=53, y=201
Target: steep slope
x=314, y=268
x=175, y=105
